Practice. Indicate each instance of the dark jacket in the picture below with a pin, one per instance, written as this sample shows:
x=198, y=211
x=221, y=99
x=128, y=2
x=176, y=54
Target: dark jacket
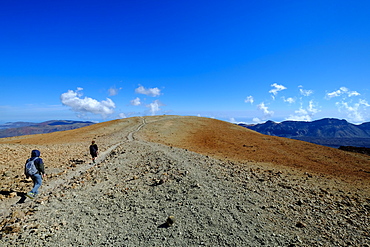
x=93, y=149
x=39, y=163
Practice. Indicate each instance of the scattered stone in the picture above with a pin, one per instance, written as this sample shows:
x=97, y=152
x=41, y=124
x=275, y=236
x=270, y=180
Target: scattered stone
x=13, y=194
x=170, y=220
x=299, y=202
x=158, y=182
x=300, y=225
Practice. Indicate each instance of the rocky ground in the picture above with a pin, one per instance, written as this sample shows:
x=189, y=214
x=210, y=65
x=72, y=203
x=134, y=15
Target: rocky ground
x=148, y=170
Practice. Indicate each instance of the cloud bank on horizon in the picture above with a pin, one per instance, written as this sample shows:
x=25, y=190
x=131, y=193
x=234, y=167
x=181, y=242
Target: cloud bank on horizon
x=347, y=102
x=300, y=104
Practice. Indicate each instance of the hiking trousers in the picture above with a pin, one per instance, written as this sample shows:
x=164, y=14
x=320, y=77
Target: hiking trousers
x=37, y=181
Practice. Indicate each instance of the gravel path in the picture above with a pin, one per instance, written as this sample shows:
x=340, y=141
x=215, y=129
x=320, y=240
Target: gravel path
x=136, y=185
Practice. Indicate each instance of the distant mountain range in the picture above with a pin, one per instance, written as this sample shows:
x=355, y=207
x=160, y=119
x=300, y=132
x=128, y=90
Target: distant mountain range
x=328, y=131
x=28, y=128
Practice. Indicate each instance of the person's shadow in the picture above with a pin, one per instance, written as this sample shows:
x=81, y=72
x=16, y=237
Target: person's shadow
x=23, y=197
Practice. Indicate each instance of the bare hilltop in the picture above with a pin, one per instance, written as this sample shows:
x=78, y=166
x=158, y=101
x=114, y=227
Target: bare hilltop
x=183, y=181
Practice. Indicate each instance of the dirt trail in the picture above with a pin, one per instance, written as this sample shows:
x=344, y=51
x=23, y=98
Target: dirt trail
x=50, y=185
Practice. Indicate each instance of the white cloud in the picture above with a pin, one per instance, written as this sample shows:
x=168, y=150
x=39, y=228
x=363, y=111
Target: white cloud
x=87, y=105
x=353, y=93
x=266, y=111
x=113, y=91
x=136, y=101
x=256, y=120
x=334, y=94
x=305, y=92
x=300, y=115
x=304, y=114
x=363, y=102
x=355, y=112
x=122, y=115
x=154, y=107
x=342, y=91
x=249, y=99
x=150, y=91
x=312, y=108
x=290, y=100
x=276, y=89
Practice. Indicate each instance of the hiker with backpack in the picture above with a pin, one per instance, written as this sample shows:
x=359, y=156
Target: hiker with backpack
x=93, y=151
x=34, y=169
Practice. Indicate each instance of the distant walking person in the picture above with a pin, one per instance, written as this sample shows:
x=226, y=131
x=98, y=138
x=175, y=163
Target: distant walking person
x=94, y=151
x=34, y=169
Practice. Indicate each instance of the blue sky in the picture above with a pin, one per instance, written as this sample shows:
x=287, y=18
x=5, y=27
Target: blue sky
x=238, y=61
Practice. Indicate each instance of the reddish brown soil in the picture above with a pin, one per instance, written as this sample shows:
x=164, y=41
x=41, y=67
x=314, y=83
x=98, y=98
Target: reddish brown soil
x=232, y=142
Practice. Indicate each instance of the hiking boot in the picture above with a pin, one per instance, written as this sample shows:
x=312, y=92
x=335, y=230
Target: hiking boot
x=31, y=195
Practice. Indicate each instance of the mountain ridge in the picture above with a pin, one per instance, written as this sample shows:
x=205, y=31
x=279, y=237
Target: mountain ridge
x=330, y=132
x=12, y=129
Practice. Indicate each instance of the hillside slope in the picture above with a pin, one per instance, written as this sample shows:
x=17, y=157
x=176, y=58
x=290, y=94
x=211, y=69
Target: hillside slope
x=225, y=185
x=231, y=142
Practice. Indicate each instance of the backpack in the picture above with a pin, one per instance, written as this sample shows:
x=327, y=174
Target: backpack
x=31, y=168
